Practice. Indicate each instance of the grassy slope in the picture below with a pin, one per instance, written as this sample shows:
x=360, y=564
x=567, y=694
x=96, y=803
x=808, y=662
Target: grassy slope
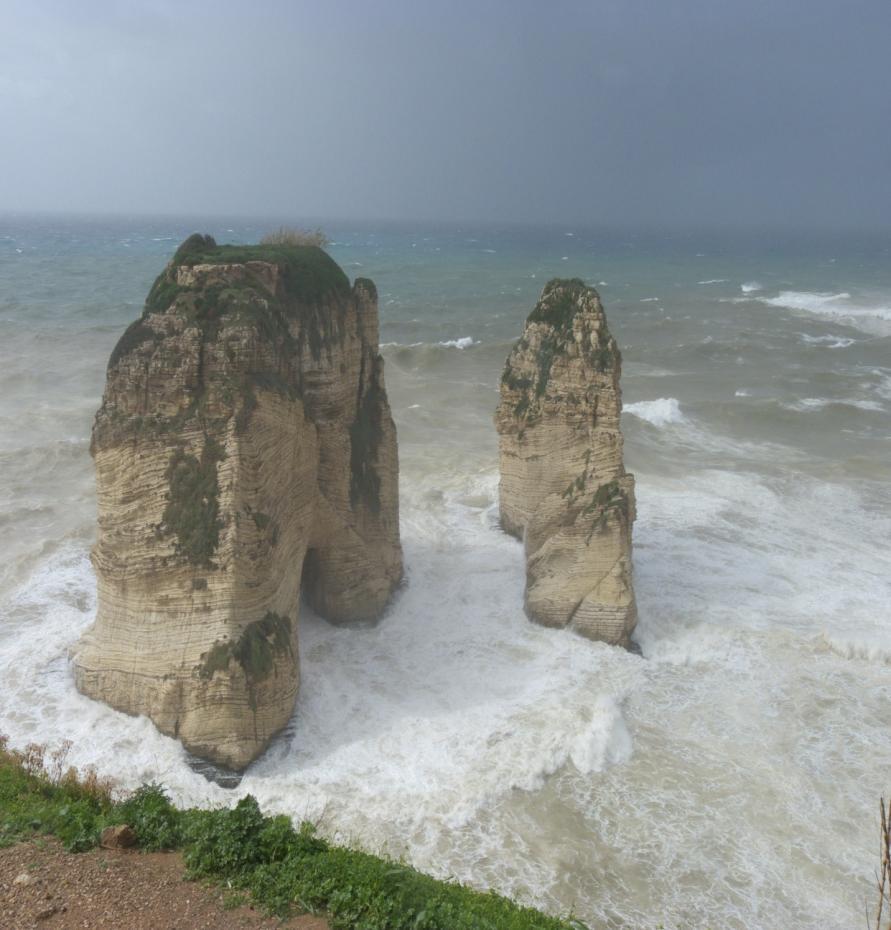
x=281, y=868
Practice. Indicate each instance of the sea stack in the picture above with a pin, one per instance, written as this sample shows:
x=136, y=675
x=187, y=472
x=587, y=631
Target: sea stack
x=245, y=453
x=564, y=490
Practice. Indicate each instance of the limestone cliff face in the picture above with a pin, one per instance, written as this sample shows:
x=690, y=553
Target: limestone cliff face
x=244, y=452
x=564, y=489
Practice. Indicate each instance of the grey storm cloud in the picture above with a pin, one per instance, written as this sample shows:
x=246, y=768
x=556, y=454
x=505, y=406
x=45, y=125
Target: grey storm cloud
x=684, y=112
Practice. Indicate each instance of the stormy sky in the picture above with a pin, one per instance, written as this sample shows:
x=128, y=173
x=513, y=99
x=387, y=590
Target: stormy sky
x=688, y=112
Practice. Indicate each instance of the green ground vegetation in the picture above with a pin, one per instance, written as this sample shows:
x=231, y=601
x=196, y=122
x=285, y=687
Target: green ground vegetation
x=283, y=870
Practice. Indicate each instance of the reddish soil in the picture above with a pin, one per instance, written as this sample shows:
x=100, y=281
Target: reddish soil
x=42, y=887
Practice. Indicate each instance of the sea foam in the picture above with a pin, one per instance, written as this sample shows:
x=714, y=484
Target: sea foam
x=659, y=412
x=403, y=729
x=869, y=316
x=831, y=342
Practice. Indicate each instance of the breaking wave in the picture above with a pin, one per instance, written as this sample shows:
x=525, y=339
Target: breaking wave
x=871, y=317
x=659, y=412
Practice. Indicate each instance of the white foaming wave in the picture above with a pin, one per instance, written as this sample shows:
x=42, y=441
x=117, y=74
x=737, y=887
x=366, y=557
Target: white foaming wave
x=606, y=742
x=831, y=342
x=864, y=404
x=814, y=302
x=759, y=554
x=658, y=412
x=431, y=734
x=808, y=403
x=713, y=281
x=410, y=727
x=873, y=318
x=820, y=403
x=402, y=731
x=426, y=772
x=883, y=389
x=43, y=620
x=750, y=287
x=463, y=342
x=648, y=300
x=862, y=646
x=737, y=636
x=742, y=392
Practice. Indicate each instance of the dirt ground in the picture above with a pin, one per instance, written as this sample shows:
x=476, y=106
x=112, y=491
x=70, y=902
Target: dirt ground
x=42, y=887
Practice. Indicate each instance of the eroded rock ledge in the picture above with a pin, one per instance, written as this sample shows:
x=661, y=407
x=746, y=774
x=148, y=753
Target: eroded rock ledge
x=564, y=490
x=244, y=452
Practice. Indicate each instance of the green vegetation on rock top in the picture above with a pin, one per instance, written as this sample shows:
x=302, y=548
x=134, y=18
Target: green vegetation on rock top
x=313, y=293
x=559, y=310
x=195, y=244
x=309, y=273
x=259, y=858
x=368, y=285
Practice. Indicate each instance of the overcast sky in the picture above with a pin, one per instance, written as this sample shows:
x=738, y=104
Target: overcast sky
x=686, y=112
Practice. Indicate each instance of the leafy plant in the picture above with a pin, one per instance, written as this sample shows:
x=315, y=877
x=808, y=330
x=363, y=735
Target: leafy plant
x=153, y=818
x=264, y=858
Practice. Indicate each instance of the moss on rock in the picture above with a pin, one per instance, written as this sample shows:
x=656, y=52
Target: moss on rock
x=559, y=311
x=135, y=335
x=313, y=291
x=192, y=513
x=555, y=312
x=254, y=652
x=308, y=272
x=196, y=244
x=366, y=284
x=365, y=436
x=607, y=499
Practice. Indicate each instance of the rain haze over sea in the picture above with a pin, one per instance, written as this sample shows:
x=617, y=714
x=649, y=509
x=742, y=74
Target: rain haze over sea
x=726, y=777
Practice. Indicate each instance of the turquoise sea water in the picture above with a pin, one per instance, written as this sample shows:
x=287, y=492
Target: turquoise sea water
x=728, y=776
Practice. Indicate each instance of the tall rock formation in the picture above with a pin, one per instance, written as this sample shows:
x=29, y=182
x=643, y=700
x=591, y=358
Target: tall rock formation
x=244, y=452
x=564, y=490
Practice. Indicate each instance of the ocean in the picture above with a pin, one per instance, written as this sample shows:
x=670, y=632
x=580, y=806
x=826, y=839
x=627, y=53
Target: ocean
x=726, y=777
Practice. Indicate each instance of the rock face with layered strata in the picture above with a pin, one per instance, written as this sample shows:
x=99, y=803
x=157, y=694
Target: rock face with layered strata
x=244, y=452
x=564, y=490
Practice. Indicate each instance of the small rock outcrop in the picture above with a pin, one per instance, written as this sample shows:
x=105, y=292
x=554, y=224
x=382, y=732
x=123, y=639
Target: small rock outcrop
x=245, y=453
x=564, y=490
x=119, y=837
